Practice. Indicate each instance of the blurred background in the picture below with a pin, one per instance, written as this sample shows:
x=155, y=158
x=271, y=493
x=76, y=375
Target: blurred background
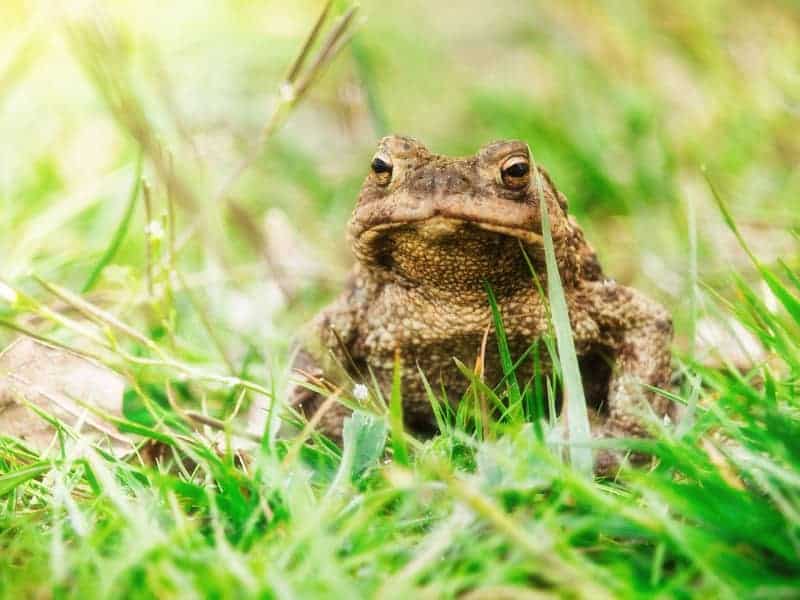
x=249, y=191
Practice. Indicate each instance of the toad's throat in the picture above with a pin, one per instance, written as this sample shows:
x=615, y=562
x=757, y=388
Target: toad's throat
x=451, y=254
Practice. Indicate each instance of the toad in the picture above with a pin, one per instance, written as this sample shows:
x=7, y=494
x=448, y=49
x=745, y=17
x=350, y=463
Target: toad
x=429, y=233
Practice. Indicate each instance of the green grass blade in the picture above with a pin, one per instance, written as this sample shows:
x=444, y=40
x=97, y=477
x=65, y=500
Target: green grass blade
x=476, y=382
x=537, y=394
x=574, y=398
x=507, y=363
x=396, y=415
x=10, y=481
x=784, y=296
x=439, y=407
x=790, y=302
x=790, y=275
x=121, y=231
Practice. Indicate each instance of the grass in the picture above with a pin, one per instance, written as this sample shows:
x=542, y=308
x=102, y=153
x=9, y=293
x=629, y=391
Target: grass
x=173, y=212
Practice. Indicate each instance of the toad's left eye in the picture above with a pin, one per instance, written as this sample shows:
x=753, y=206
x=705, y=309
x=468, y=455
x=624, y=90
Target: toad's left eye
x=381, y=166
x=382, y=169
x=515, y=172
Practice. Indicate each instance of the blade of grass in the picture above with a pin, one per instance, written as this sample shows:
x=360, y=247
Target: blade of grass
x=790, y=302
x=439, y=407
x=312, y=36
x=10, y=481
x=396, y=414
x=537, y=408
x=294, y=87
x=506, y=362
x=478, y=384
x=790, y=275
x=577, y=417
x=539, y=545
x=122, y=228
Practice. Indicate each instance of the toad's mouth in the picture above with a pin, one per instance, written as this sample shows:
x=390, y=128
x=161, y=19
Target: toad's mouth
x=443, y=213
x=437, y=227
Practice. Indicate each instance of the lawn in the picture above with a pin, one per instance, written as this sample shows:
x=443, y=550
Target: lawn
x=175, y=180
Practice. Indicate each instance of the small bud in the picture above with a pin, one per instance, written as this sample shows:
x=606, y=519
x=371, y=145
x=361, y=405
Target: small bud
x=360, y=392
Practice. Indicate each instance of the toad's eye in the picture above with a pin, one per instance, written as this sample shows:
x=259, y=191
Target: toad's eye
x=515, y=172
x=382, y=167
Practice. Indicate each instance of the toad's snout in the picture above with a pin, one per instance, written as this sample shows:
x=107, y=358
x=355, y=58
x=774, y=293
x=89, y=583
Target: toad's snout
x=435, y=181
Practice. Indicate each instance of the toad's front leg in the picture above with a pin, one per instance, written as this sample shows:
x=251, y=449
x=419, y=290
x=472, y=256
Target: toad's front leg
x=639, y=331
x=327, y=355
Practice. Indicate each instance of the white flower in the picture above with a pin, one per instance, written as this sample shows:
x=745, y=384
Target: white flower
x=360, y=392
x=155, y=230
x=8, y=294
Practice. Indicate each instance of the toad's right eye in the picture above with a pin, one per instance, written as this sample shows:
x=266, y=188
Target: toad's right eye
x=515, y=172
x=382, y=167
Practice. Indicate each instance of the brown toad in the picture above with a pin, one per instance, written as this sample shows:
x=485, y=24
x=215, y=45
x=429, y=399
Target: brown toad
x=427, y=232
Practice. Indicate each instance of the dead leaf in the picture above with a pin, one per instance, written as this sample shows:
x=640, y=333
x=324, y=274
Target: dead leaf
x=60, y=383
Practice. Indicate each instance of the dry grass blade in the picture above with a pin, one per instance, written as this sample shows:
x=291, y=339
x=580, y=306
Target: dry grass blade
x=103, y=318
x=310, y=427
x=98, y=315
x=102, y=51
x=293, y=89
x=335, y=41
x=300, y=59
x=33, y=306
x=219, y=425
x=121, y=231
